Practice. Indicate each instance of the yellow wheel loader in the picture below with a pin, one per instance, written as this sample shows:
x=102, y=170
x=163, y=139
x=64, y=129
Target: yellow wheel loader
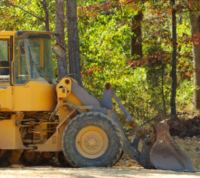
x=39, y=119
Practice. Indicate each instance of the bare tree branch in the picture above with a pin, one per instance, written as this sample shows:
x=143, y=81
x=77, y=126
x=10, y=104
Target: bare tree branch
x=46, y=11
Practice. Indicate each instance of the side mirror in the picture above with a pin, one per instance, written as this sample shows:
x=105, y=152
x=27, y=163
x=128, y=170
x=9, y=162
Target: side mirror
x=59, y=50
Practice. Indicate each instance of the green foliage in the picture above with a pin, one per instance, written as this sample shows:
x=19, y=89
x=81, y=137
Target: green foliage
x=185, y=96
x=145, y=91
x=105, y=38
x=25, y=14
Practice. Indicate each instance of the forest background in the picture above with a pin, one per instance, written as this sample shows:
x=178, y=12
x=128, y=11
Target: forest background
x=125, y=42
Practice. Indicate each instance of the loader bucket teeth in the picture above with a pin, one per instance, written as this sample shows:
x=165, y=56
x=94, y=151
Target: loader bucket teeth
x=166, y=154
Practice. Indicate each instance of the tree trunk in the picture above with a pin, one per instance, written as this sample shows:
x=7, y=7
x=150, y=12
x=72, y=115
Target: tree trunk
x=60, y=37
x=73, y=40
x=173, y=62
x=195, y=29
x=46, y=11
x=136, y=40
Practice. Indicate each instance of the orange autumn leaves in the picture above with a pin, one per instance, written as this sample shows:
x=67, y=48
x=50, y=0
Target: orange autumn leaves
x=95, y=9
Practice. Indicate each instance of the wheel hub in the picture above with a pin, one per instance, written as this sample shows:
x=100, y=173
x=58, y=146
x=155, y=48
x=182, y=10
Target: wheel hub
x=91, y=142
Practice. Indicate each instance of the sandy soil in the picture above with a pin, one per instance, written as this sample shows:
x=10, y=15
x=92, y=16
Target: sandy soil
x=50, y=172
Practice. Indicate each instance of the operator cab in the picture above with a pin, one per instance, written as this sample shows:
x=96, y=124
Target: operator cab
x=25, y=56
x=26, y=72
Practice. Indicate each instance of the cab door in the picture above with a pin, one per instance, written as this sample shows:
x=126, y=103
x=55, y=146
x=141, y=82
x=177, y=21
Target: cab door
x=6, y=50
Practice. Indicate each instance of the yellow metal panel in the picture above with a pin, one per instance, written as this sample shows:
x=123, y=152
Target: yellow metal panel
x=7, y=33
x=52, y=144
x=64, y=91
x=10, y=135
x=6, y=98
x=4, y=37
x=63, y=88
x=73, y=99
x=34, y=96
x=14, y=33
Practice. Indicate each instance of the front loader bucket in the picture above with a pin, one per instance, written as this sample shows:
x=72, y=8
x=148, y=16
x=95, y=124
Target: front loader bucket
x=166, y=154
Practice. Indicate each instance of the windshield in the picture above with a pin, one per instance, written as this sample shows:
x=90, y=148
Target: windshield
x=33, y=60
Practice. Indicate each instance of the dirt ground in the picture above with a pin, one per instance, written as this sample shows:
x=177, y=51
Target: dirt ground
x=50, y=172
x=125, y=168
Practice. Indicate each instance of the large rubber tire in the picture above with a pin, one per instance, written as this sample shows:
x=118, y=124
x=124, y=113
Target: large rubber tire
x=61, y=159
x=111, y=154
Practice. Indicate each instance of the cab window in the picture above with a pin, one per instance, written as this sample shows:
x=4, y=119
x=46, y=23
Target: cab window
x=33, y=60
x=4, y=59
